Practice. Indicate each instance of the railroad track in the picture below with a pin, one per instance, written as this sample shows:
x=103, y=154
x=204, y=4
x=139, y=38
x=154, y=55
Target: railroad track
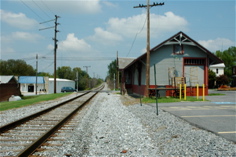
x=29, y=135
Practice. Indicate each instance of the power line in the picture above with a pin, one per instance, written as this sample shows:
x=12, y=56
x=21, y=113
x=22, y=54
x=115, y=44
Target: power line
x=136, y=37
x=148, y=6
x=55, y=47
x=81, y=58
x=32, y=10
x=41, y=8
x=48, y=8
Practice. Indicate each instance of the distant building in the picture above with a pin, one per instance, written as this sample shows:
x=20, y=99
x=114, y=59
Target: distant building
x=8, y=86
x=60, y=83
x=28, y=84
x=45, y=85
x=218, y=69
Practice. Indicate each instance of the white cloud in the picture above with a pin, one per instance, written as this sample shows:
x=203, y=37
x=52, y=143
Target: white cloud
x=22, y=36
x=7, y=51
x=72, y=6
x=109, y=4
x=73, y=44
x=119, y=28
x=105, y=37
x=217, y=44
x=32, y=37
x=18, y=20
x=159, y=24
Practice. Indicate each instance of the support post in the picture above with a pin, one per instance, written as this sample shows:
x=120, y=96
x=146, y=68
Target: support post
x=114, y=81
x=203, y=92
x=184, y=91
x=197, y=91
x=36, y=86
x=180, y=91
x=156, y=91
x=77, y=76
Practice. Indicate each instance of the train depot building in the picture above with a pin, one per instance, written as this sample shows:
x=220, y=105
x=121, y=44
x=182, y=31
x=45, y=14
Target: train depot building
x=177, y=60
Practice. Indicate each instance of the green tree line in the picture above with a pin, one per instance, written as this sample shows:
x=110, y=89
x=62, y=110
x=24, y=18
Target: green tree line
x=21, y=68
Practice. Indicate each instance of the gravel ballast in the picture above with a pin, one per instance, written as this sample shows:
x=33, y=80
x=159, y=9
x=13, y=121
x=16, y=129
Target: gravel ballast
x=109, y=128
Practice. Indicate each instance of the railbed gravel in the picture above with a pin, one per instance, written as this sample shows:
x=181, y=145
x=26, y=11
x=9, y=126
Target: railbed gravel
x=107, y=127
x=18, y=113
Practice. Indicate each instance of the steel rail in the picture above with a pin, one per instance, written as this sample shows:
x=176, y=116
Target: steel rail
x=31, y=148
x=13, y=124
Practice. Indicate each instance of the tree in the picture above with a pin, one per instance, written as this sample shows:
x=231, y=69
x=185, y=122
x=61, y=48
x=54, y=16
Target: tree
x=66, y=72
x=44, y=74
x=16, y=67
x=229, y=58
x=82, y=76
x=222, y=80
x=211, y=78
x=111, y=70
x=110, y=74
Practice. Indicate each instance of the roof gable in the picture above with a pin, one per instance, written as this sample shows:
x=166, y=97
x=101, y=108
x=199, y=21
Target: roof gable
x=123, y=62
x=6, y=79
x=182, y=39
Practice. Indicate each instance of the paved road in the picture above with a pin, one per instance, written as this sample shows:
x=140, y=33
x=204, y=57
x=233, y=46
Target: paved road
x=217, y=115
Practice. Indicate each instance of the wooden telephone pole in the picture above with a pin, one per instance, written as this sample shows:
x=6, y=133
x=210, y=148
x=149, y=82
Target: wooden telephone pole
x=146, y=93
x=55, y=54
x=55, y=48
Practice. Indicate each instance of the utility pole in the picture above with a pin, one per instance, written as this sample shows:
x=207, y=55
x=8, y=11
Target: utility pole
x=36, y=87
x=114, y=81
x=55, y=48
x=55, y=54
x=77, y=76
x=87, y=73
x=117, y=70
x=146, y=93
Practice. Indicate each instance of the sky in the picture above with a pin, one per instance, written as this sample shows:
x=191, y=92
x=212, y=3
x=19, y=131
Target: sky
x=92, y=32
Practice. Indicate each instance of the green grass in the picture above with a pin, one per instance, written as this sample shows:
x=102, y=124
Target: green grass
x=29, y=100
x=169, y=99
x=215, y=94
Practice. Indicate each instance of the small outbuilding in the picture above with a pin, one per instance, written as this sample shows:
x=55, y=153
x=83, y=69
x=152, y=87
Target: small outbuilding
x=8, y=86
x=177, y=60
x=218, y=69
x=28, y=84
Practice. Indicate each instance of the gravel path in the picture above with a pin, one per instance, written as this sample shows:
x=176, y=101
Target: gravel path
x=109, y=128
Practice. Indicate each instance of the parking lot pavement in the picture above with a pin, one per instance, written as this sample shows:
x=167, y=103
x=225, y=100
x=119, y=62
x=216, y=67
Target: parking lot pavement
x=217, y=115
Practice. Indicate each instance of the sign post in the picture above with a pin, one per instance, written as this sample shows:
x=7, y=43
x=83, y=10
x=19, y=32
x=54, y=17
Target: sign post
x=156, y=88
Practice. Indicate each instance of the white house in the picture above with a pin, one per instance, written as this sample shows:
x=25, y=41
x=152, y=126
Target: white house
x=28, y=84
x=45, y=85
x=218, y=68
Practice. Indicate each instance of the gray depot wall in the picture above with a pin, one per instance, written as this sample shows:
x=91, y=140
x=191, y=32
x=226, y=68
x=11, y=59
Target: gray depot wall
x=164, y=59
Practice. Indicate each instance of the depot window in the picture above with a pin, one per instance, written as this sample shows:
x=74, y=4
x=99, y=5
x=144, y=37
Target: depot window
x=178, y=49
x=194, y=61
